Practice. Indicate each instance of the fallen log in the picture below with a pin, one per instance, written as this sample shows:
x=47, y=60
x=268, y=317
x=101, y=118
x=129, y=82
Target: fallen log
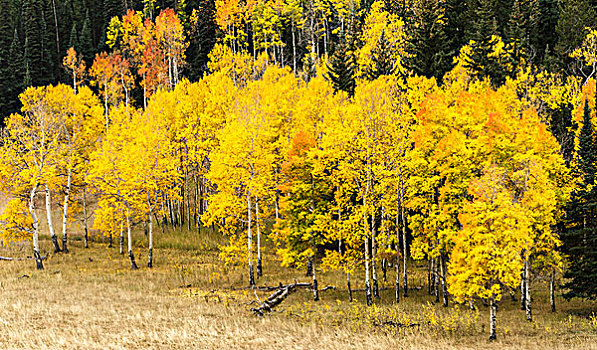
x=5, y=258
x=278, y=296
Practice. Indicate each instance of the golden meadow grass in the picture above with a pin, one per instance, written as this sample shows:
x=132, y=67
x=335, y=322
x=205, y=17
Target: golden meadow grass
x=91, y=299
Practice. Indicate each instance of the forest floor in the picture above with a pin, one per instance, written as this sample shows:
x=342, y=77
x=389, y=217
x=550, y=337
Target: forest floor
x=90, y=299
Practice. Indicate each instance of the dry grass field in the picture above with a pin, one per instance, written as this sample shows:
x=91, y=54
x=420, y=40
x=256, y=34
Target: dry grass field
x=90, y=299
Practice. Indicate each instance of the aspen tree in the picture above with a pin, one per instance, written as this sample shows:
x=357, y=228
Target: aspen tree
x=30, y=147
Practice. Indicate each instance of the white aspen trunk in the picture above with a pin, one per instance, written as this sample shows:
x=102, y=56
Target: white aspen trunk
x=552, y=299
x=397, y=279
x=65, y=212
x=293, y=48
x=130, y=242
x=430, y=280
x=85, y=219
x=492, y=319
x=259, y=266
x=442, y=268
x=150, y=249
x=188, y=195
x=367, y=258
x=529, y=313
x=197, y=214
x=436, y=278
x=374, y=256
x=523, y=292
x=50, y=222
x=106, y=104
x=144, y=94
x=249, y=238
x=38, y=262
x=121, y=237
x=404, y=248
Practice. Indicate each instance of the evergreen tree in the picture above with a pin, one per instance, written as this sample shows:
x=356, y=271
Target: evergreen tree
x=86, y=40
x=342, y=68
x=429, y=45
x=383, y=64
x=457, y=24
x=580, y=239
x=74, y=38
x=5, y=41
x=546, y=28
x=562, y=127
x=34, y=40
x=575, y=15
x=203, y=38
x=483, y=33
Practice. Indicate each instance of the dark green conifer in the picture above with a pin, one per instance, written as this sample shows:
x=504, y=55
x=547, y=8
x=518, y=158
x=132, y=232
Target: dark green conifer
x=580, y=237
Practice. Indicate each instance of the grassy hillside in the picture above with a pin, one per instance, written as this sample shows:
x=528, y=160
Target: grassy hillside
x=91, y=299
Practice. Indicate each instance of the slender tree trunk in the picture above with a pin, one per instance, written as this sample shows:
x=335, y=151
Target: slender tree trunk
x=121, y=238
x=249, y=238
x=348, y=286
x=552, y=298
x=367, y=266
x=429, y=276
x=85, y=218
x=404, y=248
x=397, y=279
x=50, y=222
x=110, y=240
x=527, y=298
x=436, y=278
x=492, y=319
x=442, y=266
x=309, y=268
x=150, y=250
x=65, y=213
x=38, y=262
x=315, y=287
x=197, y=204
x=384, y=270
x=58, y=54
x=374, y=257
x=130, y=242
x=293, y=49
x=523, y=291
x=259, y=266
x=188, y=198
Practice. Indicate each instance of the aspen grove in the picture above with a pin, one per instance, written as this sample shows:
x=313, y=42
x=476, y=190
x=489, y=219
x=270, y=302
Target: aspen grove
x=339, y=158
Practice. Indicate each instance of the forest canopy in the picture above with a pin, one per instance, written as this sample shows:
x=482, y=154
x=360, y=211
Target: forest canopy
x=348, y=136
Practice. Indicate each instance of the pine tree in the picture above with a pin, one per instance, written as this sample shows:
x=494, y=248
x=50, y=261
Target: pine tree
x=521, y=31
x=383, y=64
x=483, y=33
x=204, y=37
x=575, y=15
x=563, y=129
x=74, y=38
x=549, y=13
x=17, y=70
x=5, y=41
x=86, y=40
x=580, y=239
x=34, y=40
x=430, y=45
x=342, y=68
